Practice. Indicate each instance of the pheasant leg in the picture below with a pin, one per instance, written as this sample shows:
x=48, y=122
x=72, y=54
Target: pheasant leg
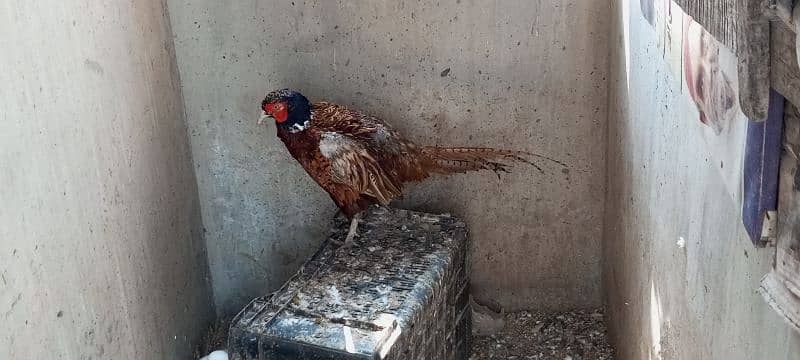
x=348, y=241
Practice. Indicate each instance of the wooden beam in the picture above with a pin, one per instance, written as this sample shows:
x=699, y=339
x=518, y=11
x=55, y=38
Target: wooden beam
x=785, y=74
x=718, y=17
x=752, y=53
x=743, y=26
x=781, y=287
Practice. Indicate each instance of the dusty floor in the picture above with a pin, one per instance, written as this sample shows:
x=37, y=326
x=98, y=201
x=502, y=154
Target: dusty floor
x=215, y=338
x=576, y=335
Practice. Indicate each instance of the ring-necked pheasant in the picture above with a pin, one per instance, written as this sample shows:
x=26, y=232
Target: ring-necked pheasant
x=359, y=160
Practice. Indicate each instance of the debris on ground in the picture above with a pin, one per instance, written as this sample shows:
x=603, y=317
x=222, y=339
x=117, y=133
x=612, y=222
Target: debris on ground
x=486, y=319
x=574, y=335
x=400, y=292
x=215, y=338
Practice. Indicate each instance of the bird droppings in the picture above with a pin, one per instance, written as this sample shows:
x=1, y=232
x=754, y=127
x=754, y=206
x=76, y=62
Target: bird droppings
x=575, y=335
x=486, y=320
x=215, y=338
x=400, y=291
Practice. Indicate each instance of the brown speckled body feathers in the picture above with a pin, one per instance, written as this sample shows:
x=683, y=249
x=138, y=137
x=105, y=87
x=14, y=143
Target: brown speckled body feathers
x=359, y=160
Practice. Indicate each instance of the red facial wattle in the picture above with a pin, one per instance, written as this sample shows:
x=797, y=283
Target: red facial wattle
x=278, y=111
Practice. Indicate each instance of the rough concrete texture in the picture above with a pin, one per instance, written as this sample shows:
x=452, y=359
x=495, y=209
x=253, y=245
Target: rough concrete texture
x=519, y=74
x=101, y=252
x=664, y=301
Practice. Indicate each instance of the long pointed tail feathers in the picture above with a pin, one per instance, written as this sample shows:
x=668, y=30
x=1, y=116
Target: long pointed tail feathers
x=451, y=160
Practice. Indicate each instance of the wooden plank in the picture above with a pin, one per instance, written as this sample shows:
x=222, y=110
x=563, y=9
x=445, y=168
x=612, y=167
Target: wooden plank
x=718, y=17
x=741, y=25
x=785, y=74
x=783, y=10
x=780, y=299
x=752, y=52
x=788, y=257
x=781, y=287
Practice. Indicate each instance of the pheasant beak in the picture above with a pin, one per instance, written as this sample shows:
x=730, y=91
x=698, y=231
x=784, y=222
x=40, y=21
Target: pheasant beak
x=263, y=117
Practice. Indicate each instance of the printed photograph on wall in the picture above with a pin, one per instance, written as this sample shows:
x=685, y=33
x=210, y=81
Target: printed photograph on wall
x=709, y=73
x=706, y=71
x=744, y=153
x=711, y=89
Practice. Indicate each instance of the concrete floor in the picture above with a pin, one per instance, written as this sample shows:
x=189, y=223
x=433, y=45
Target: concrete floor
x=522, y=74
x=101, y=245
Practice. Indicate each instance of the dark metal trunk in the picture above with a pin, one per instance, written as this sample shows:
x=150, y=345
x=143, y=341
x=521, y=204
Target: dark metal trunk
x=401, y=292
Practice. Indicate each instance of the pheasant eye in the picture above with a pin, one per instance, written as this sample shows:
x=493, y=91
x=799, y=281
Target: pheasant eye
x=271, y=108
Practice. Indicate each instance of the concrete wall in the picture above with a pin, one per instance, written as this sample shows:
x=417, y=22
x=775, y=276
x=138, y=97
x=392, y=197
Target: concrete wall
x=101, y=251
x=667, y=302
x=523, y=74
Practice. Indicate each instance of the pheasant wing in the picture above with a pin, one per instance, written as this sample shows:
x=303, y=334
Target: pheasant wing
x=353, y=165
